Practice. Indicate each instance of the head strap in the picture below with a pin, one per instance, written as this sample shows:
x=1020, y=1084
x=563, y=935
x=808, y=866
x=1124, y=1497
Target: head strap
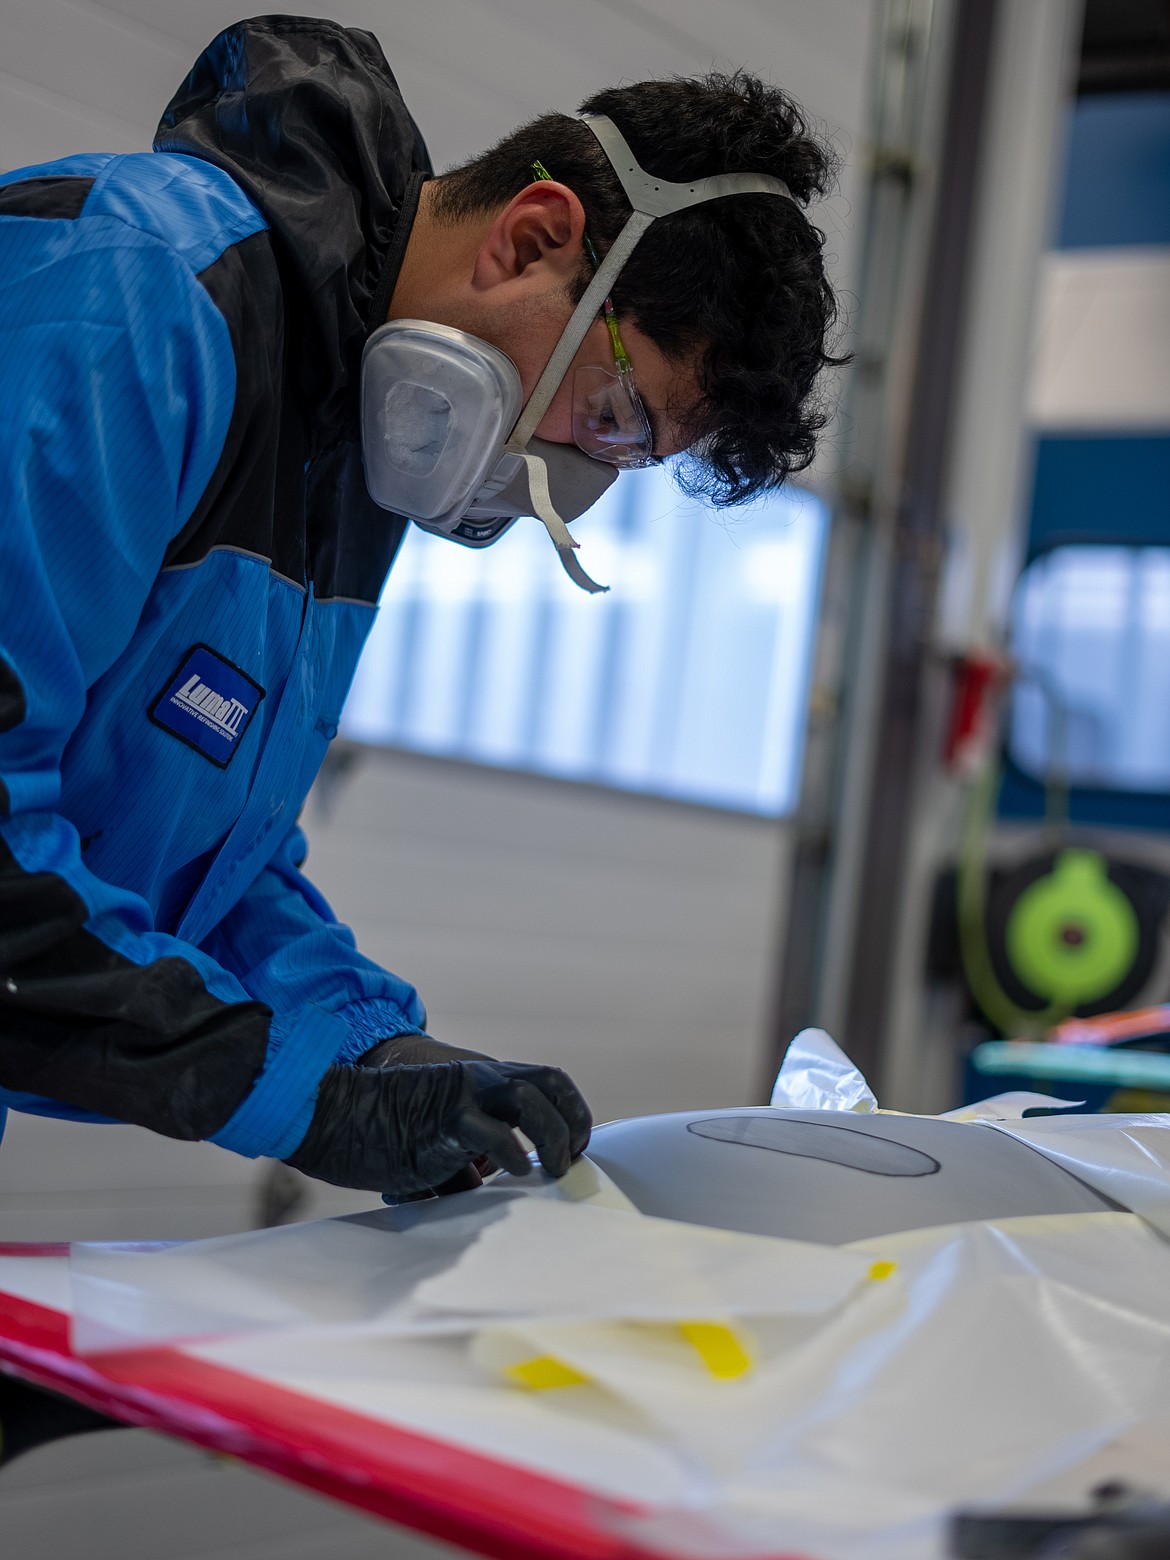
x=660, y=197
x=650, y=198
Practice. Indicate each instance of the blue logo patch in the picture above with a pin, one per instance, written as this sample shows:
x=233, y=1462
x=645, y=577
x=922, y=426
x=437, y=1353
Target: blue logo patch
x=208, y=704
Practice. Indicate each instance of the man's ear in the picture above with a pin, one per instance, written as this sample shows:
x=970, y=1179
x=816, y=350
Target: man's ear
x=536, y=238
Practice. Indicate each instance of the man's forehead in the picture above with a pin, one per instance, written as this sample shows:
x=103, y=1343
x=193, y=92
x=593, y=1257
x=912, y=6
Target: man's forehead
x=669, y=387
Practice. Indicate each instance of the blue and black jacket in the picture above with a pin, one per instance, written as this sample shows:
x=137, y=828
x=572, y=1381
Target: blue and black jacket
x=189, y=564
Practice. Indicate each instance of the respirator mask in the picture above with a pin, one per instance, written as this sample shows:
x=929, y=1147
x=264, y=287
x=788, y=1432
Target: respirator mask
x=445, y=438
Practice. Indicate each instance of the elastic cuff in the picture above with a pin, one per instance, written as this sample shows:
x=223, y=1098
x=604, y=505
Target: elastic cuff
x=370, y=1021
x=275, y=1115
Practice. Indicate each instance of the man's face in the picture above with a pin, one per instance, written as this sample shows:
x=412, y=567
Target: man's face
x=668, y=389
x=528, y=331
x=511, y=285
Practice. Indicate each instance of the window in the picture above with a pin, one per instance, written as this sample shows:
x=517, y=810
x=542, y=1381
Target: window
x=1091, y=633
x=688, y=680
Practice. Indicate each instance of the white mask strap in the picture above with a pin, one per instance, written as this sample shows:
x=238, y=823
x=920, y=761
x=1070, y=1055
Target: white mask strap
x=660, y=197
x=562, y=539
x=576, y=330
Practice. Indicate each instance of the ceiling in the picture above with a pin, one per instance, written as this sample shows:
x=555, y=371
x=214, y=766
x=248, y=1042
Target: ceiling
x=1125, y=46
x=82, y=76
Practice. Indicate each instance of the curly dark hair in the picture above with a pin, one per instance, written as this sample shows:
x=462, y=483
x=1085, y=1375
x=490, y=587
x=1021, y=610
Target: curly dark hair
x=739, y=282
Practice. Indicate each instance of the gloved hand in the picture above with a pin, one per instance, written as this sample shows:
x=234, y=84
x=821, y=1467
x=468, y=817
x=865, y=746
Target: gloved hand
x=425, y=1048
x=411, y=1126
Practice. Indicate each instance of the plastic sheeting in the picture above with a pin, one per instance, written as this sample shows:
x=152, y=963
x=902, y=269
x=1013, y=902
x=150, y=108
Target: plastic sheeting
x=548, y=1260
x=752, y=1396
x=1011, y=1106
x=453, y=1265
x=1001, y=1361
x=817, y=1075
x=332, y=1272
x=1126, y=1158
x=996, y=1363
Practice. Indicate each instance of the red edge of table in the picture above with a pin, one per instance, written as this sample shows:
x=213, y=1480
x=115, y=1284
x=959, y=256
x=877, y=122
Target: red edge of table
x=458, y=1496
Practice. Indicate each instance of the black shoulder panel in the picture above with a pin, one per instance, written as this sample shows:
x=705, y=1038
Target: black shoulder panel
x=146, y=1044
x=12, y=700
x=255, y=498
x=13, y=708
x=352, y=542
x=56, y=196
x=311, y=518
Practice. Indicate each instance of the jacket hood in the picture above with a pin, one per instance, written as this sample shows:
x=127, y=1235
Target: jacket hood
x=307, y=118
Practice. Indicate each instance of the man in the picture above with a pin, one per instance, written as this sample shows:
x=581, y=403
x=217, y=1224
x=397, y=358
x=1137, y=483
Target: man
x=190, y=555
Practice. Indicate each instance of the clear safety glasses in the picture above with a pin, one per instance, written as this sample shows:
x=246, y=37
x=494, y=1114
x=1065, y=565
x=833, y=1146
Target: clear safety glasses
x=609, y=420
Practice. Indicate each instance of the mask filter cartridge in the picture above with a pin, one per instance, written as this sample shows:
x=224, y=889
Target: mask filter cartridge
x=433, y=400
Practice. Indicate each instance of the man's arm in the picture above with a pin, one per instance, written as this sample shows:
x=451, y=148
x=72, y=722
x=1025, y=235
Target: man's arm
x=287, y=948
x=116, y=390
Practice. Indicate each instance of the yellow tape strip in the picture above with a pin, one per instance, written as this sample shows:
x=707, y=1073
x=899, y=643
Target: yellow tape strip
x=543, y=1373
x=720, y=1350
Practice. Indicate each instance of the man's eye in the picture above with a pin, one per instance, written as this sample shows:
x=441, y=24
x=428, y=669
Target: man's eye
x=601, y=412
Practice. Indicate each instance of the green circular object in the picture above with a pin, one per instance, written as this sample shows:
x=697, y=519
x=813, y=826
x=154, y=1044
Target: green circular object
x=1072, y=935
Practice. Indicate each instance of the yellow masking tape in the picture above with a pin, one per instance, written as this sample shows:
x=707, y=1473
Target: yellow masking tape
x=544, y=1372
x=720, y=1350
x=882, y=1270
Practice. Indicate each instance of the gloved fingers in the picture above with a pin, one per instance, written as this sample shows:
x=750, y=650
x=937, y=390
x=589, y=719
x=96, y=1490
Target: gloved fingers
x=523, y=1104
x=480, y=1133
x=465, y=1180
x=558, y=1087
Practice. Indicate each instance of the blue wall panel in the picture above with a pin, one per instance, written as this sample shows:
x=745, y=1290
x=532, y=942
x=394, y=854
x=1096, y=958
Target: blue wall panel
x=1113, y=489
x=1118, y=185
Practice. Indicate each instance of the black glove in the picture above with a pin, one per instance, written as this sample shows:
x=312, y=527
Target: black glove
x=425, y=1048
x=417, y=1048
x=409, y=1127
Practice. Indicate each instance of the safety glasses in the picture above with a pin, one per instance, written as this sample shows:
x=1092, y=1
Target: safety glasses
x=609, y=419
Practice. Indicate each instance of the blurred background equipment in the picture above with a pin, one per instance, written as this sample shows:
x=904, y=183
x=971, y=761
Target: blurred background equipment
x=994, y=855
x=1120, y=1524
x=1074, y=855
